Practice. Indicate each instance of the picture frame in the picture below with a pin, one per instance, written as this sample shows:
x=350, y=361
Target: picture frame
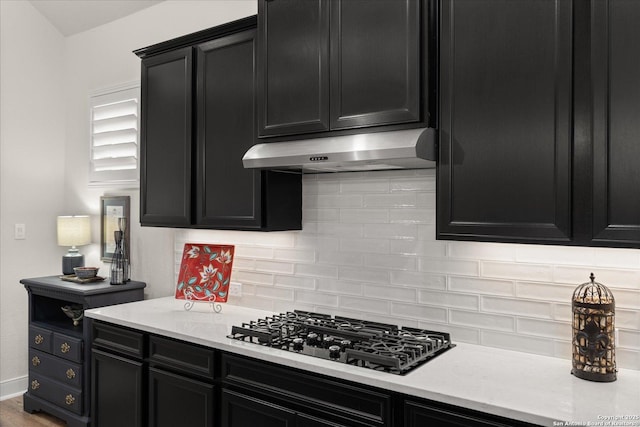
x=111, y=209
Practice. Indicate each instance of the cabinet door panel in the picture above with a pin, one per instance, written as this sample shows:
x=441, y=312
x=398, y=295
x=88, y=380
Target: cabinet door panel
x=165, y=151
x=375, y=62
x=293, y=67
x=239, y=410
x=228, y=195
x=616, y=126
x=117, y=391
x=504, y=171
x=179, y=401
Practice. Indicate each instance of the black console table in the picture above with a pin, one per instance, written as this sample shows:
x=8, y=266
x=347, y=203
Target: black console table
x=59, y=352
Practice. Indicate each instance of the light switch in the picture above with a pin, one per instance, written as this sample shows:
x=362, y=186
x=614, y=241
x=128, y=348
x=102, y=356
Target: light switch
x=20, y=232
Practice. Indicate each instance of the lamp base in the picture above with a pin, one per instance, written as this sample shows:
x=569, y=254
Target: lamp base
x=69, y=261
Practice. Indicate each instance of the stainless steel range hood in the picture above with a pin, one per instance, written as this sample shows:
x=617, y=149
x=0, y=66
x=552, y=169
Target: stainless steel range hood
x=403, y=149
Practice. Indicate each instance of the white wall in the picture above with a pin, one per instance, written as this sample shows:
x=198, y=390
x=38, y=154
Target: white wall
x=46, y=82
x=32, y=151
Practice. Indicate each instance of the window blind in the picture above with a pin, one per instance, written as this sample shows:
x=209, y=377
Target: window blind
x=114, y=137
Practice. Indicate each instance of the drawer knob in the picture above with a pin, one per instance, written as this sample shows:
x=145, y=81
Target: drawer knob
x=69, y=399
x=35, y=385
x=39, y=339
x=71, y=374
x=65, y=348
x=35, y=361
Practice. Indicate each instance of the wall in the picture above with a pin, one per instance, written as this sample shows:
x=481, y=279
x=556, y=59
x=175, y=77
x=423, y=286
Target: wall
x=32, y=137
x=368, y=250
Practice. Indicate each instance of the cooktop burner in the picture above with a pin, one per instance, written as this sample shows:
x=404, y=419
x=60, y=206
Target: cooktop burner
x=372, y=345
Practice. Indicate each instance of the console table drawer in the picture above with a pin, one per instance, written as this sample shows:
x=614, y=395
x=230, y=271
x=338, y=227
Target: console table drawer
x=59, y=394
x=40, y=338
x=64, y=371
x=67, y=347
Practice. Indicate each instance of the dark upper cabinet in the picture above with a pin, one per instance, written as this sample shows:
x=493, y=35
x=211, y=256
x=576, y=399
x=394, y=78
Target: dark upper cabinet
x=539, y=130
x=615, y=62
x=505, y=108
x=194, y=139
x=333, y=65
x=166, y=139
x=293, y=67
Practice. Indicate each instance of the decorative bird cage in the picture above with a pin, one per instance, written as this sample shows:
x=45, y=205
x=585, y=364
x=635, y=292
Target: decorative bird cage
x=594, y=355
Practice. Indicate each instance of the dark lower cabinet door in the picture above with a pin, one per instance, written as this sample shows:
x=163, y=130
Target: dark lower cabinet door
x=615, y=61
x=175, y=400
x=375, y=62
x=293, y=64
x=505, y=163
x=166, y=139
x=117, y=391
x=420, y=415
x=228, y=195
x=308, y=421
x=239, y=410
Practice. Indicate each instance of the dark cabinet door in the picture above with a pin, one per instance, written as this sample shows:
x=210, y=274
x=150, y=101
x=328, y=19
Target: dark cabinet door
x=505, y=164
x=166, y=139
x=419, y=415
x=229, y=196
x=293, y=61
x=179, y=401
x=118, y=394
x=375, y=62
x=615, y=61
x=239, y=410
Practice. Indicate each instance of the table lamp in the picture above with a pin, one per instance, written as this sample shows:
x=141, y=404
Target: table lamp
x=73, y=231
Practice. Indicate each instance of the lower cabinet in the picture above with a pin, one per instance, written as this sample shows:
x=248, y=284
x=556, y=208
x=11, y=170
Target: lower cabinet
x=420, y=414
x=142, y=379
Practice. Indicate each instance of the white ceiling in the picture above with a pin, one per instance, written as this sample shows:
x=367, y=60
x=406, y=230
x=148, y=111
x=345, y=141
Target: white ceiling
x=74, y=16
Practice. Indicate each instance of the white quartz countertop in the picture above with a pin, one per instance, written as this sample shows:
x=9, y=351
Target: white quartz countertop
x=527, y=387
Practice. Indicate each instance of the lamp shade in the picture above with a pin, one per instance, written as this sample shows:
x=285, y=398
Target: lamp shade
x=74, y=230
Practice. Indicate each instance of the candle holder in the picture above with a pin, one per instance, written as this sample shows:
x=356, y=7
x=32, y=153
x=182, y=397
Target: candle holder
x=593, y=347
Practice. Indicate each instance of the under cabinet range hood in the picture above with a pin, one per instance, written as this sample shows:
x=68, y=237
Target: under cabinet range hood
x=402, y=149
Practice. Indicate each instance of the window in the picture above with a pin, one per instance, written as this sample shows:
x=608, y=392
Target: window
x=114, y=136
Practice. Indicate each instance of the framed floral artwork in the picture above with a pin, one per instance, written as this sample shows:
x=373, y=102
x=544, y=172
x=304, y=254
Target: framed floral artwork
x=205, y=272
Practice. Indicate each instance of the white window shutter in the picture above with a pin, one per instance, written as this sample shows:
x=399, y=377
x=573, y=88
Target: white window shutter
x=114, y=137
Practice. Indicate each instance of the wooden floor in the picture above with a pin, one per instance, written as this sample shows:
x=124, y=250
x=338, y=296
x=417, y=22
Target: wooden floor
x=12, y=415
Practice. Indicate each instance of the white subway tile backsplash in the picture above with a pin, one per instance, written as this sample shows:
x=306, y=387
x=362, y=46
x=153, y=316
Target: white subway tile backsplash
x=419, y=311
x=518, y=307
x=380, y=246
x=481, y=286
x=483, y=251
x=364, y=216
x=364, y=274
x=368, y=250
x=448, y=266
x=418, y=247
x=339, y=287
x=390, y=293
x=364, y=186
x=391, y=200
x=419, y=280
x=369, y=305
x=512, y=341
x=483, y=320
x=390, y=261
x=544, y=328
x=505, y=270
x=545, y=291
x=448, y=299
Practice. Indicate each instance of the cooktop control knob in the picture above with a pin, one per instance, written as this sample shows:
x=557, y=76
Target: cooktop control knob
x=298, y=344
x=334, y=352
x=327, y=342
x=313, y=339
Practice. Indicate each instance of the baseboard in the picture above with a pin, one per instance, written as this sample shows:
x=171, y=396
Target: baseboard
x=14, y=387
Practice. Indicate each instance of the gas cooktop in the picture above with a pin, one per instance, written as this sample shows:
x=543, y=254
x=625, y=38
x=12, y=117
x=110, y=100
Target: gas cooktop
x=378, y=346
